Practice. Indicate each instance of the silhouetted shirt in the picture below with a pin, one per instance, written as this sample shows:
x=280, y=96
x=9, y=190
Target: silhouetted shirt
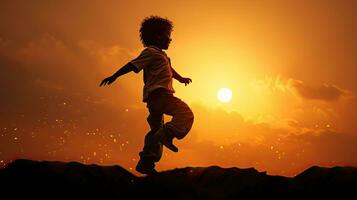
x=157, y=70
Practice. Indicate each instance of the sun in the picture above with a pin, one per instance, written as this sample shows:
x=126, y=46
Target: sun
x=224, y=95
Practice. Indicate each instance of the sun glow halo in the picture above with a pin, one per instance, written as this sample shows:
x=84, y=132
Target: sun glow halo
x=224, y=95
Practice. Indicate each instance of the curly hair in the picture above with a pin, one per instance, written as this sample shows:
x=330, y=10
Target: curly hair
x=153, y=26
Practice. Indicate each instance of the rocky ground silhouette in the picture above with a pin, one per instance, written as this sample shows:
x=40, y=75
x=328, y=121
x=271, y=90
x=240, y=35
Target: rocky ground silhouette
x=50, y=179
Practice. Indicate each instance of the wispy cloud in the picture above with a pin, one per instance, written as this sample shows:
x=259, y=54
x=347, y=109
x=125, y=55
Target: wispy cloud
x=325, y=92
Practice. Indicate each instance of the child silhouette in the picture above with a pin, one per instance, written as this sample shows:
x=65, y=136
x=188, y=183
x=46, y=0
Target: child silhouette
x=158, y=92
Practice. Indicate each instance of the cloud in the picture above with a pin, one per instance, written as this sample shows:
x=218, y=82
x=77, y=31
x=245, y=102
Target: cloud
x=50, y=101
x=324, y=92
x=277, y=84
x=51, y=62
x=285, y=146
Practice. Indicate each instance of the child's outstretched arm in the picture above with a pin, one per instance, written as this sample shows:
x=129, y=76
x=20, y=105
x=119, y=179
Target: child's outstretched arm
x=123, y=70
x=178, y=77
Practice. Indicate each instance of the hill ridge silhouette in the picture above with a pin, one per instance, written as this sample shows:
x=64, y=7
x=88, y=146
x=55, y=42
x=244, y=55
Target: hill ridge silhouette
x=48, y=179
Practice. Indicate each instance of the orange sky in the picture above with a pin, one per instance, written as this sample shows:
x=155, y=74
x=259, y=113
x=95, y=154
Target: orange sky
x=291, y=68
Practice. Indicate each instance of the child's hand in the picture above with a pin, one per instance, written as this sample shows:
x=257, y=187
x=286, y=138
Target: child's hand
x=186, y=81
x=108, y=81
